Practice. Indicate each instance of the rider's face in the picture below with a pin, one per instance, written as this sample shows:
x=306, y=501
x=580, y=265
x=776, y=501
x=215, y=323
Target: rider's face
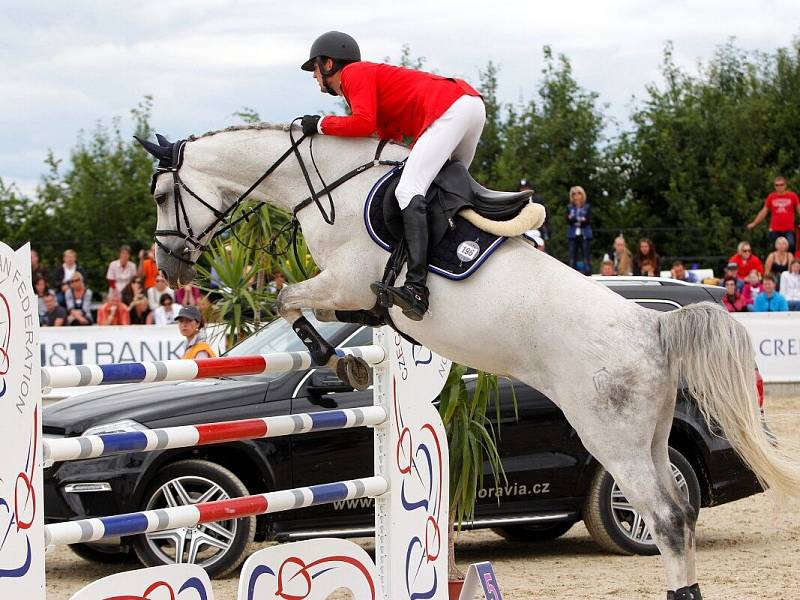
x=318, y=76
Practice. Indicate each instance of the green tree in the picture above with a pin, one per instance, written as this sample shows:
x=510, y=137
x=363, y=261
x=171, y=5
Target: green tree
x=100, y=199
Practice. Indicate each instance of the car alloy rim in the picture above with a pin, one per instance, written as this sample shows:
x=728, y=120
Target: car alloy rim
x=203, y=544
x=629, y=521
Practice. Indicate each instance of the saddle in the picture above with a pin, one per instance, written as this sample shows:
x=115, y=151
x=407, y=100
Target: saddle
x=457, y=245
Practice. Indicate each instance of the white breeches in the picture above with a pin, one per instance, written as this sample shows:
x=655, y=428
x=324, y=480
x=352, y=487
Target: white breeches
x=453, y=135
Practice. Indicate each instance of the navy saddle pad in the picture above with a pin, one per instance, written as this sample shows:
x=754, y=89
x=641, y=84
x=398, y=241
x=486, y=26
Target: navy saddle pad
x=461, y=249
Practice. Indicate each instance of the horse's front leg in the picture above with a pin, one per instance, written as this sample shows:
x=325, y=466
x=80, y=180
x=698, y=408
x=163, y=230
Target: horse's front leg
x=321, y=293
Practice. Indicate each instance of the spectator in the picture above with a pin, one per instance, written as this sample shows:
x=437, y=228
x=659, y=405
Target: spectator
x=166, y=313
x=579, y=230
x=733, y=300
x=79, y=302
x=133, y=289
x=607, y=268
x=41, y=290
x=139, y=312
x=790, y=285
x=120, y=272
x=778, y=262
x=731, y=271
x=190, y=324
x=781, y=204
x=646, y=251
x=621, y=257
x=113, y=312
x=154, y=293
x=752, y=288
x=648, y=268
x=746, y=261
x=188, y=295
x=680, y=273
x=64, y=273
x=37, y=268
x=770, y=300
x=148, y=270
x=55, y=314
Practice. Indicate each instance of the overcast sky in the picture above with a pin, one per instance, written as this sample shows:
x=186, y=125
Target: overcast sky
x=64, y=66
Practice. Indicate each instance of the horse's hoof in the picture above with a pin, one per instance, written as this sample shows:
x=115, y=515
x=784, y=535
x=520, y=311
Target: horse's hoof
x=691, y=592
x=353, y=371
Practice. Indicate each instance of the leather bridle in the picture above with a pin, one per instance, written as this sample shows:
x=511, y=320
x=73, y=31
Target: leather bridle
x=195, y=240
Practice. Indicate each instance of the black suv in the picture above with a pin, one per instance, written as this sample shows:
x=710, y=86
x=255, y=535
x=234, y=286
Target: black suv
x=553, y=481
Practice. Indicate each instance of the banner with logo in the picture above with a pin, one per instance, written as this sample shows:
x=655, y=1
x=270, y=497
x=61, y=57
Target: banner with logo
x=104, y=345
x=776, y=338
x=21, y=516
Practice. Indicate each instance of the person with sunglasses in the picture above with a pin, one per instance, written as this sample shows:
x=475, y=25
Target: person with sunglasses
x=159, y=289
x=79, y=301
x=782, y=204
x=745, y=261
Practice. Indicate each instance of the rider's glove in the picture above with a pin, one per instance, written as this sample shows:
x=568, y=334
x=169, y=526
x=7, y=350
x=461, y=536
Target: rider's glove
x=310, y=124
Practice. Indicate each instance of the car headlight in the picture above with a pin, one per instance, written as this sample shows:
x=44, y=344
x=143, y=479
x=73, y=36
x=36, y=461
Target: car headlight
x=116, y=427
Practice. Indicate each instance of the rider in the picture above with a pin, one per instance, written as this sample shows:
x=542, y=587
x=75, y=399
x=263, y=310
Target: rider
x=442, y=116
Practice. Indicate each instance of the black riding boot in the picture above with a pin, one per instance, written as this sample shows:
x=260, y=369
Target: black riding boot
x=412, y=298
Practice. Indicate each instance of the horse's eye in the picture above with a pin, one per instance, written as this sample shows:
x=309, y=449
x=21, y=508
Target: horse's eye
x=160, y=198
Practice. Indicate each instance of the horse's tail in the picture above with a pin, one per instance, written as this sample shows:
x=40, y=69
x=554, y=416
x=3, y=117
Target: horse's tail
x=713, y=354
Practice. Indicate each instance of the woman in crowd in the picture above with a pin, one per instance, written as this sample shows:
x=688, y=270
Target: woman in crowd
x=188, y=295
x=190, y=324
x=64, y=273
x=79, y=301
x=622, y=257
x=790, y=285
x=752, y=288
x=778, y=261
x=133, y=289
x=733, y=299
x=648, y=268
x=113, y=312
x=140, y=313
x=646, y=252
x=579, y=230
x=159, y=289
x=166, y=313
x=41, y=290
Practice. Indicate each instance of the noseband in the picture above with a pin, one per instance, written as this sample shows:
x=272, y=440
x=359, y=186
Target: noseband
x=193, y=241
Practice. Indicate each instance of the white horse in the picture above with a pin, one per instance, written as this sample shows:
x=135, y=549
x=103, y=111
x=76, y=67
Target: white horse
x=611, y=366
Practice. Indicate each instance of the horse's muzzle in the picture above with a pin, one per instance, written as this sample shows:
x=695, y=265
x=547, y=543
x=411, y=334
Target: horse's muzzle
x=177, y=272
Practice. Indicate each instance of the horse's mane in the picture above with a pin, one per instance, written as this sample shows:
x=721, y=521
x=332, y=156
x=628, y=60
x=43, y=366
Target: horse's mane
x=261, y=127
x=247, y=127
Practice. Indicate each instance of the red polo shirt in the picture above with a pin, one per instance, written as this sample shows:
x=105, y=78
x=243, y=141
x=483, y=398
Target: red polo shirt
x=745, y=266
x=782, y=206
x=393, y=101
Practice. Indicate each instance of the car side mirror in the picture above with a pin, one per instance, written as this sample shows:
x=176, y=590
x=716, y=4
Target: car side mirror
x=325, y=382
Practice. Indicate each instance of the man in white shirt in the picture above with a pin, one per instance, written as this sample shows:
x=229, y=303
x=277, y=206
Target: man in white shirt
x=120, y=272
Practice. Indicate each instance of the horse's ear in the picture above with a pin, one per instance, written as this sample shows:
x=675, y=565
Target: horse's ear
x=160, y=152
x=162, y=140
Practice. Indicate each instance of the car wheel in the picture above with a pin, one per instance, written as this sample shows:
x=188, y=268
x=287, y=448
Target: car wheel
x=218, y=547
x=107, y=554
x=534, y=532
x=615, y=525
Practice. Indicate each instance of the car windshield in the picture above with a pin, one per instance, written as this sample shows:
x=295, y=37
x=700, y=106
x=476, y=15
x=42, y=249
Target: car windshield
x=278, y=336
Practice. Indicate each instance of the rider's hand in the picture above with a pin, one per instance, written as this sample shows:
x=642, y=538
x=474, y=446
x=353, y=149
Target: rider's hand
x=310, y=124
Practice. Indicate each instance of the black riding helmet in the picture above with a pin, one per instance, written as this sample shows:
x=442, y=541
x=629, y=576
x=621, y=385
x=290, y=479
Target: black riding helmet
x=333, y=44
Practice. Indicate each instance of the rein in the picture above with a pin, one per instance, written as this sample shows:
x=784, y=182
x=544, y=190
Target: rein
x=195, y=240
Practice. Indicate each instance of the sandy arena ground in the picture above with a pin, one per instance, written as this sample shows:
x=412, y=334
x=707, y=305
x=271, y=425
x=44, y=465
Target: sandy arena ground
x=746, y=550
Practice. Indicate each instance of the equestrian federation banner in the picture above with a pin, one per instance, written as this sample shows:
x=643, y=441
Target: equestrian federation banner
x=21, y=515
x=776, y=339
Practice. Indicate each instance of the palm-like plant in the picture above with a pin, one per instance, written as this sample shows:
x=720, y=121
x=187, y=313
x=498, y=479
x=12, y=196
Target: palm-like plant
x=472, y=440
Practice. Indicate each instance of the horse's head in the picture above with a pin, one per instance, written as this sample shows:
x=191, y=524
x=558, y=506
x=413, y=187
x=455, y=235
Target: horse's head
x=189, y=206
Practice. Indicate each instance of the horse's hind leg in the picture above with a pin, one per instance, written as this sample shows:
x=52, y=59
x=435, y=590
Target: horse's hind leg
x=633, y=448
